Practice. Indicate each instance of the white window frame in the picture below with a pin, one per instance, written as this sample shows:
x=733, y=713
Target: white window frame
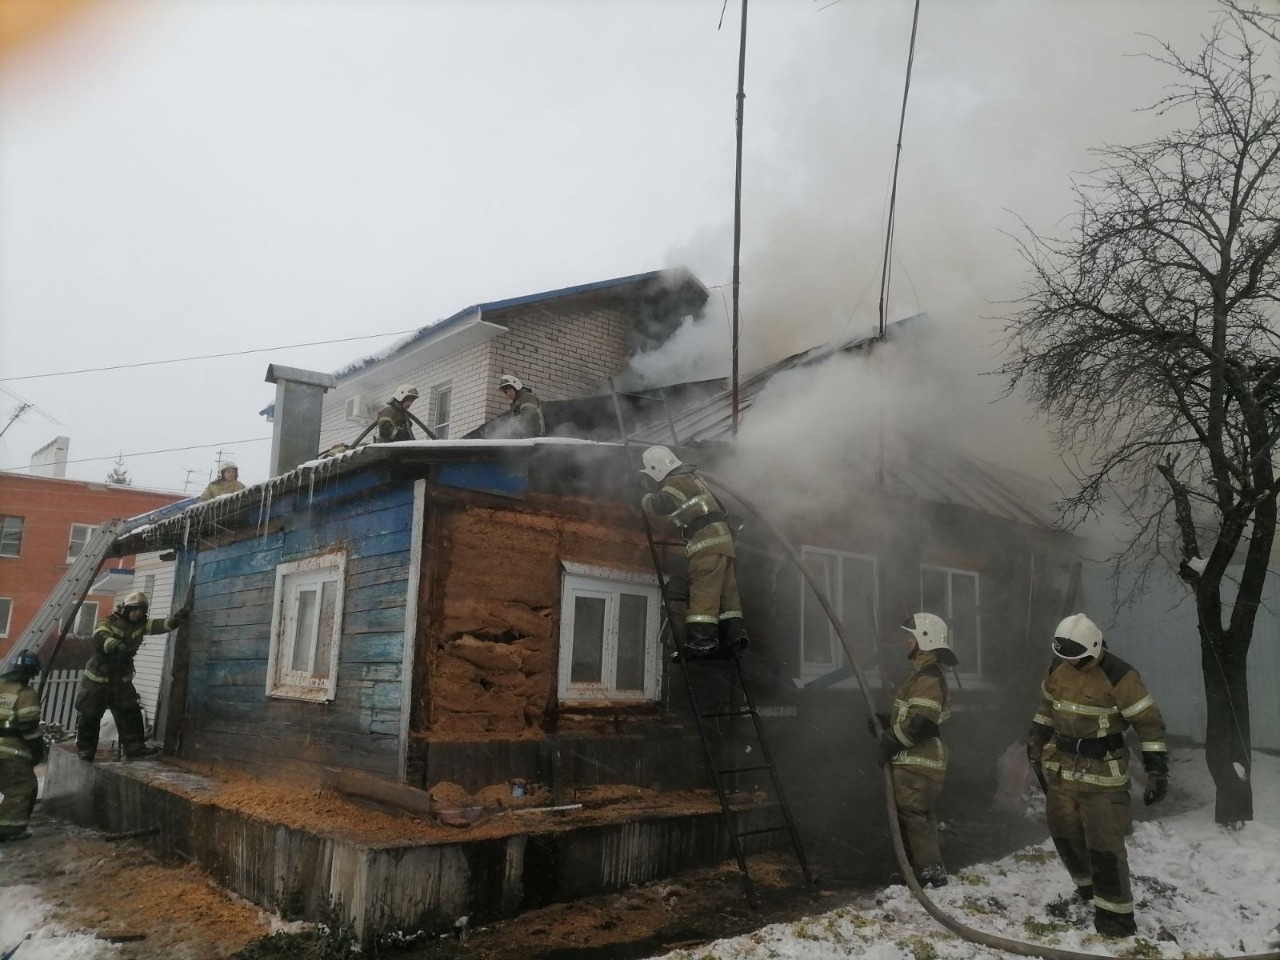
x=283, y=682
x=92, y=607
x=441, y=429
x=969, y=672
x=22, y=526
x=90, y=529
x=812, y=671
x=6, y=605
x=608, y=584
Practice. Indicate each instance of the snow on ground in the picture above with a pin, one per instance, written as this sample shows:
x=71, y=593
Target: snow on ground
x=1199, y=890
x=22, y=910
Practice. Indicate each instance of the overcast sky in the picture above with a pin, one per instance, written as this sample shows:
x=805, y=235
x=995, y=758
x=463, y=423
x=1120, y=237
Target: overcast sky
x=184, y=179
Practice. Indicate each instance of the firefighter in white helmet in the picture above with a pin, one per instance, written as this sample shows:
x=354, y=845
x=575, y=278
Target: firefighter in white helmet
x=1088, y=698
x=526, y=419
x=910, y=741
x=713, y=622
x=228, y=482
x=392, y=424
x=107, y=680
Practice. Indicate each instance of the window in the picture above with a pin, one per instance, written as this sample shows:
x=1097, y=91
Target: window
x=849, y=581
x=609, y=622
x=6, y=612
x=442, y=412
x=10, y=536
x=85, y=619
x=953, y=595
x=149, y=586
x=80, y=534
x=306, y=625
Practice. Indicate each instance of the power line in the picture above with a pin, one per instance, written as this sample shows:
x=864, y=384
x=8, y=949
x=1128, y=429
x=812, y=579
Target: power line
x=148, y=453
x=208, y=356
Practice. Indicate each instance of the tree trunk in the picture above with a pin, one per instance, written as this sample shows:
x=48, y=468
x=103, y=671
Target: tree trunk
x=1227, y=737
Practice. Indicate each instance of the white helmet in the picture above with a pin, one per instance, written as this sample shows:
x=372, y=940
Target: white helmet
x=228, y=465
x=929, y=630
x=135, y=599
x=406, y=391
x=1077, y=637
x=658, y=462
x=507, y=380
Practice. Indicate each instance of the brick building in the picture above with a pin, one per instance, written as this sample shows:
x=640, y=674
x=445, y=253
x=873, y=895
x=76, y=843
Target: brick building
x=44, y=523
x=564, y=344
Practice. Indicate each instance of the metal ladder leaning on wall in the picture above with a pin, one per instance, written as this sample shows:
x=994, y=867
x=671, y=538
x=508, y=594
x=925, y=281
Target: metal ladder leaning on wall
x=738, y=707
x=59, y=608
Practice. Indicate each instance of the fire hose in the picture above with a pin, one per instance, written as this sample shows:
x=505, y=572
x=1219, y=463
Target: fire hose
x=960, y=929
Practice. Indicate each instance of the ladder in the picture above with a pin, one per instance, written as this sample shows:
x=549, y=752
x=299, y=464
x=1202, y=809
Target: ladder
x=71, y=590
x=735, y=706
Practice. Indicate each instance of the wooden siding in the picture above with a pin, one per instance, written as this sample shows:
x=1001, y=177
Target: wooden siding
x=229, y=716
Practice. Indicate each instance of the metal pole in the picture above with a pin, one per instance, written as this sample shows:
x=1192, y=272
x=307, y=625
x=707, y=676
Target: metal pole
x=737, y=208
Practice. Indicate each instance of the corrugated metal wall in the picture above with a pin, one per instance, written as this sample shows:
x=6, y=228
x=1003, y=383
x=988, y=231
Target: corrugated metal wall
x=1158, y=636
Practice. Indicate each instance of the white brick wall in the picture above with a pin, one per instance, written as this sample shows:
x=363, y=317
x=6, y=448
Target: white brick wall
x=562, y=351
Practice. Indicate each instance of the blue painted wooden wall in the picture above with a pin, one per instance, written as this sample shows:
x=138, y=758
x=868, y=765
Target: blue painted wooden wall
x=229, y=715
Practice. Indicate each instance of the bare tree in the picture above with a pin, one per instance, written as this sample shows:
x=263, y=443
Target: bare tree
x=1149, y=338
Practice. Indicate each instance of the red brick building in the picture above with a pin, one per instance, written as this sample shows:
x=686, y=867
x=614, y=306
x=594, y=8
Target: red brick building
x=44, y=523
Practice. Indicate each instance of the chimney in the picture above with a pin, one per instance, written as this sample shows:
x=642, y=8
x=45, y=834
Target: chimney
x=51, y=459
x=295, y=433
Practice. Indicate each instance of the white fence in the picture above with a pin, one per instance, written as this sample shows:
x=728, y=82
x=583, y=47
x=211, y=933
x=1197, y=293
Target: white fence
x=58, y=697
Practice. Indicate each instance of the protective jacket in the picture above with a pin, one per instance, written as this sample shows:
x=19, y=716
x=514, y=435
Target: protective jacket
x=20, y=722
x=1082, y=717
x=526, y=414
x=688, y=502
x=115, y=641
x=921, y=704
x=393, y=424
x=221, y=487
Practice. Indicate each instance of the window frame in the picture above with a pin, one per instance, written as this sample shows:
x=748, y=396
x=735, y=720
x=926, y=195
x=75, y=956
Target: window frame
x=6, y=604
x=609, y=584
x=4, y=537
x=969, y=673
x=93, y=620
x=807, y=671
x=286, y=683
x=436, y=423
x=71, y=539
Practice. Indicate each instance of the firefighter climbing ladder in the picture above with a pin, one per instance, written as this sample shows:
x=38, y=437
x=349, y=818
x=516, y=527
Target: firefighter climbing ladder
x=736, y=706
x=60, y=607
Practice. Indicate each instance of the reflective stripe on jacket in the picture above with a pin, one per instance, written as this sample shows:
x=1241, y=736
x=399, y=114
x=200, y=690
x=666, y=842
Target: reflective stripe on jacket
x=19, y=719
x=685, y=498
x=115, y=641
x=1104, y=697
x=526, y=411
x=921, y=703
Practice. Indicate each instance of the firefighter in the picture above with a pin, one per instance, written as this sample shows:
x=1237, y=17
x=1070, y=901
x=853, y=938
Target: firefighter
x=228, y=482
x=713, y=622
x=1088, y=698
x=393, y=419
x=21, y=744
x=526, y=408
x=910, y=743
x=107, y=680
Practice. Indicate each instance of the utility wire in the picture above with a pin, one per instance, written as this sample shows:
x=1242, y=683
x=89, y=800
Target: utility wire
x=209, y=356
x=148, y=453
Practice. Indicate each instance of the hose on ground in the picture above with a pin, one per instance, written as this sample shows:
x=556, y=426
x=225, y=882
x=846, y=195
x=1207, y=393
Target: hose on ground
x=962, y=930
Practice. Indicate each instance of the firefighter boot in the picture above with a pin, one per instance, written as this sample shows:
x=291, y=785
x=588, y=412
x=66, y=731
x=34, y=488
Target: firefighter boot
x=934, y=875
x=87, y=739
x=1108, y=923
x=13, y=833
x=133, y=735
x=699, y=641
x=733, y=636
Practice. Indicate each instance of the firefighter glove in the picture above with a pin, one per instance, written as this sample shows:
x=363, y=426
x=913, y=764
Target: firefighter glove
x=888, y=747
x=1038, y=736
x=178, y=618
x=871, y=724
x=37, y=749
x=1157, y=787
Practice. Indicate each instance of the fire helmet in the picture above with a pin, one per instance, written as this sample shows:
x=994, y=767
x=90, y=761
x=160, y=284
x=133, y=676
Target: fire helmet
x=135, y=599
x=228, y=465
x=929, y=630
x=507, y=380
x=658, y=462
x=23, y=665
x=404, y=393
x=1077, y=637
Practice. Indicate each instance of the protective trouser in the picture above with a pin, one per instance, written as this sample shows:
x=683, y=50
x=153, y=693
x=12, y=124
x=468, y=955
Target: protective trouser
x=916, y=795
x=1088, y=825
x=713, y=589
x=94, y=699
x=18, y=784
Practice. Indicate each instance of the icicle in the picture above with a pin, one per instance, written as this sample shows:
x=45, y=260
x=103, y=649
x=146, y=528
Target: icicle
x=266, y=512
x=311, y=490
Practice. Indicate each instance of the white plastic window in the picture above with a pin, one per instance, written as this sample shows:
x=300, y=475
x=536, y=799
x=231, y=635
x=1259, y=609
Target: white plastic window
x=849, y=581
x=86, y=619
x=609, y=638
x=953, y=595
x=80, y=534
x=306, y=628
x=6, y=612
x=10, y=536
x=443, y=412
